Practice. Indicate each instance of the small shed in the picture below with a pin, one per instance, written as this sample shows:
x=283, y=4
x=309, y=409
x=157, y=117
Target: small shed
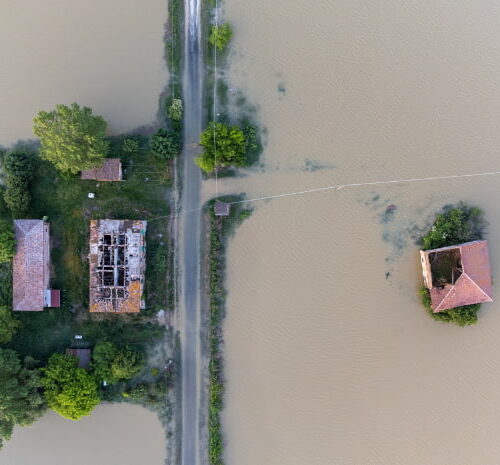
x=111, y=170
x=222, y=208
x=53, y=298
x=83, y=356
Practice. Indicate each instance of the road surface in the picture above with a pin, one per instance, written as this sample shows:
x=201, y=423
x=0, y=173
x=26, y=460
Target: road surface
x=189, y=239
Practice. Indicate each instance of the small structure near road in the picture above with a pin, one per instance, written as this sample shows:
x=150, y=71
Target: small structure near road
x=31, y=267
x=222, y=208
x=83, y=356
x=457, y=275
x=111, y=170
x=117, y=265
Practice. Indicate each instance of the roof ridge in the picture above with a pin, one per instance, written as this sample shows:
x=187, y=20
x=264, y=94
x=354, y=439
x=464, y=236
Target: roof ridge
x=478, y=286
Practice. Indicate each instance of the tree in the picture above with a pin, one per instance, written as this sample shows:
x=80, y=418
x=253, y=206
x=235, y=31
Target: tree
x=220, y=35
x=69, y=390
x=21, y=399
x=19, y=167
x=130, y=145
x=223, y=146
x=175, y=110
x=8, y=325
x=165, y=145
x=7, y=241
x=71, y=137
x=114, y=364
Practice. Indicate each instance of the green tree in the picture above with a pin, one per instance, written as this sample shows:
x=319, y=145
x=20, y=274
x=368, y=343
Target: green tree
x=19, y=167
x=71, y=137
x=130, y=145
x=114, y=364
x=21, y=399
x=165, y=145
x=8, y=325
x=175, y=110
x=7, y=241
x=69, y=390
x=223, y=146
x=220, y=35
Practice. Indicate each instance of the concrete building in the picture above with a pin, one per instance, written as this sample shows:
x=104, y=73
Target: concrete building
x=457, y=275
x=117, y=265
x=31, y=267
x=111, y=170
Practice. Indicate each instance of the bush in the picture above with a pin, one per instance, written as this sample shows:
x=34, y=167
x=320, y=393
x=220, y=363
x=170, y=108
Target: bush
x=223, y=146
x=7, y=241
x=19, y=166
x=130, y=145
x=165, y=145
x=8, y=325
x=175, y=110
x=220, y=35
x=114, y=364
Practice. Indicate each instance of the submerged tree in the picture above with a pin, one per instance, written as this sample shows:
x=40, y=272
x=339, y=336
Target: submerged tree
x=71, y=137
x=220, y=35
x=223, y=146
x=69, y=390
x=21, y=399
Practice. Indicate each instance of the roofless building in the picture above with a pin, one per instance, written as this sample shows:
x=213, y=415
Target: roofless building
x=117, y=265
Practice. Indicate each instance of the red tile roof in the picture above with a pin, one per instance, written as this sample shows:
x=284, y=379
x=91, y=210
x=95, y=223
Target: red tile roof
x=474, y=284
x=111, y=170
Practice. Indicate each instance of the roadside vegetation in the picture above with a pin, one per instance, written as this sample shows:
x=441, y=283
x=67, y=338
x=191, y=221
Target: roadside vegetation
x=456, y=225
x=129, y=363
x=220, y=36
x=221, y=227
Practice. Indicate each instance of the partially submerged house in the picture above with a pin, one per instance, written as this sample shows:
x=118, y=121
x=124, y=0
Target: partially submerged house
x=31, y=267
x=111, y=170
x=83, y=356
x=457, y=275
x=117, y=265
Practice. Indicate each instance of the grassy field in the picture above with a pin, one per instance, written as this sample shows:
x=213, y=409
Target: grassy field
x=64, y=200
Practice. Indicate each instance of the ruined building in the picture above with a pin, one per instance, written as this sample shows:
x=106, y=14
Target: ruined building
x=31, y=267
x=111, y=170
x=117, y=265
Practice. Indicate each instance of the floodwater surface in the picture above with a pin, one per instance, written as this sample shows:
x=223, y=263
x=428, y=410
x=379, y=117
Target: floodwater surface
x=330, y=358
x=112, y=435
x=104, y=55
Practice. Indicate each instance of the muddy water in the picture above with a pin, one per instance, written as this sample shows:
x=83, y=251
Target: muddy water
x=330, y=357
x=106, y=55
x=112, y=435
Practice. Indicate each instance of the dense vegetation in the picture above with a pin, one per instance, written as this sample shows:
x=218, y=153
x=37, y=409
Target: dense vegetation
x=71, y=137
x=165, y=144
x=220, y=36
x=220, y=229
x=7, y=242
x=113, y=364
x=454, y=226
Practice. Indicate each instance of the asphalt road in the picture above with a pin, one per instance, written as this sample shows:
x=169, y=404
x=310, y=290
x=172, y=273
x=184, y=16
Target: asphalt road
x=189, y=240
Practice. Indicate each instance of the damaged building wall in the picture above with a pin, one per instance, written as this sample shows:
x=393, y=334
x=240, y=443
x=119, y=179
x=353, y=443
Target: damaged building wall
x=117, y=265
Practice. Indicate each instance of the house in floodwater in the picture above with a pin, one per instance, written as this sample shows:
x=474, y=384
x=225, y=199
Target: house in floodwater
x=117, y=265
x=31, y=267
x=457, y=275
x=111, y=170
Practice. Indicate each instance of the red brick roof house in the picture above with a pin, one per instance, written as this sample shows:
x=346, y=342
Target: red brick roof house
x=111, y=170
x=457, y=275
x=30, y=266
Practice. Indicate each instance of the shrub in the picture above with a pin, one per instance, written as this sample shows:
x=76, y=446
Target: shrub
x=220, y=35
x=223, y=146
x=19, y=166
x=165, y=145
x=114, y=364
x=175, y=110
x=130, y=145
x=7, y=241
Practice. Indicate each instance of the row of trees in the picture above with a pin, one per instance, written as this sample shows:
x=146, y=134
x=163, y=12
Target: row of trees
x=26, y=389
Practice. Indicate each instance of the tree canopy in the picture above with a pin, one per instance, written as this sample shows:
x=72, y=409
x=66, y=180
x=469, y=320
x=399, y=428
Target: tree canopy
x=8, y=325
x=21, y=399
x=7, y=241
x=223, y=146
x=220, y=35
x=114, y=364
x=165, y=144
x=175, y=110
x=71, y=137
x=70, y=391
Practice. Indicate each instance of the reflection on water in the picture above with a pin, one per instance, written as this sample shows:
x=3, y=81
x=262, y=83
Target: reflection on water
x=330, y=357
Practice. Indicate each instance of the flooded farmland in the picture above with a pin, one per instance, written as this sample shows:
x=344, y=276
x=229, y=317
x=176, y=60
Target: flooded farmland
x=105, y=55
x=113, y=434
x=330, y=358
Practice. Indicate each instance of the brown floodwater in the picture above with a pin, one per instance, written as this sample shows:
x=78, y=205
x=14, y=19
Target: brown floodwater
x=330, y=358
x=112, y=435
x=105, y=55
